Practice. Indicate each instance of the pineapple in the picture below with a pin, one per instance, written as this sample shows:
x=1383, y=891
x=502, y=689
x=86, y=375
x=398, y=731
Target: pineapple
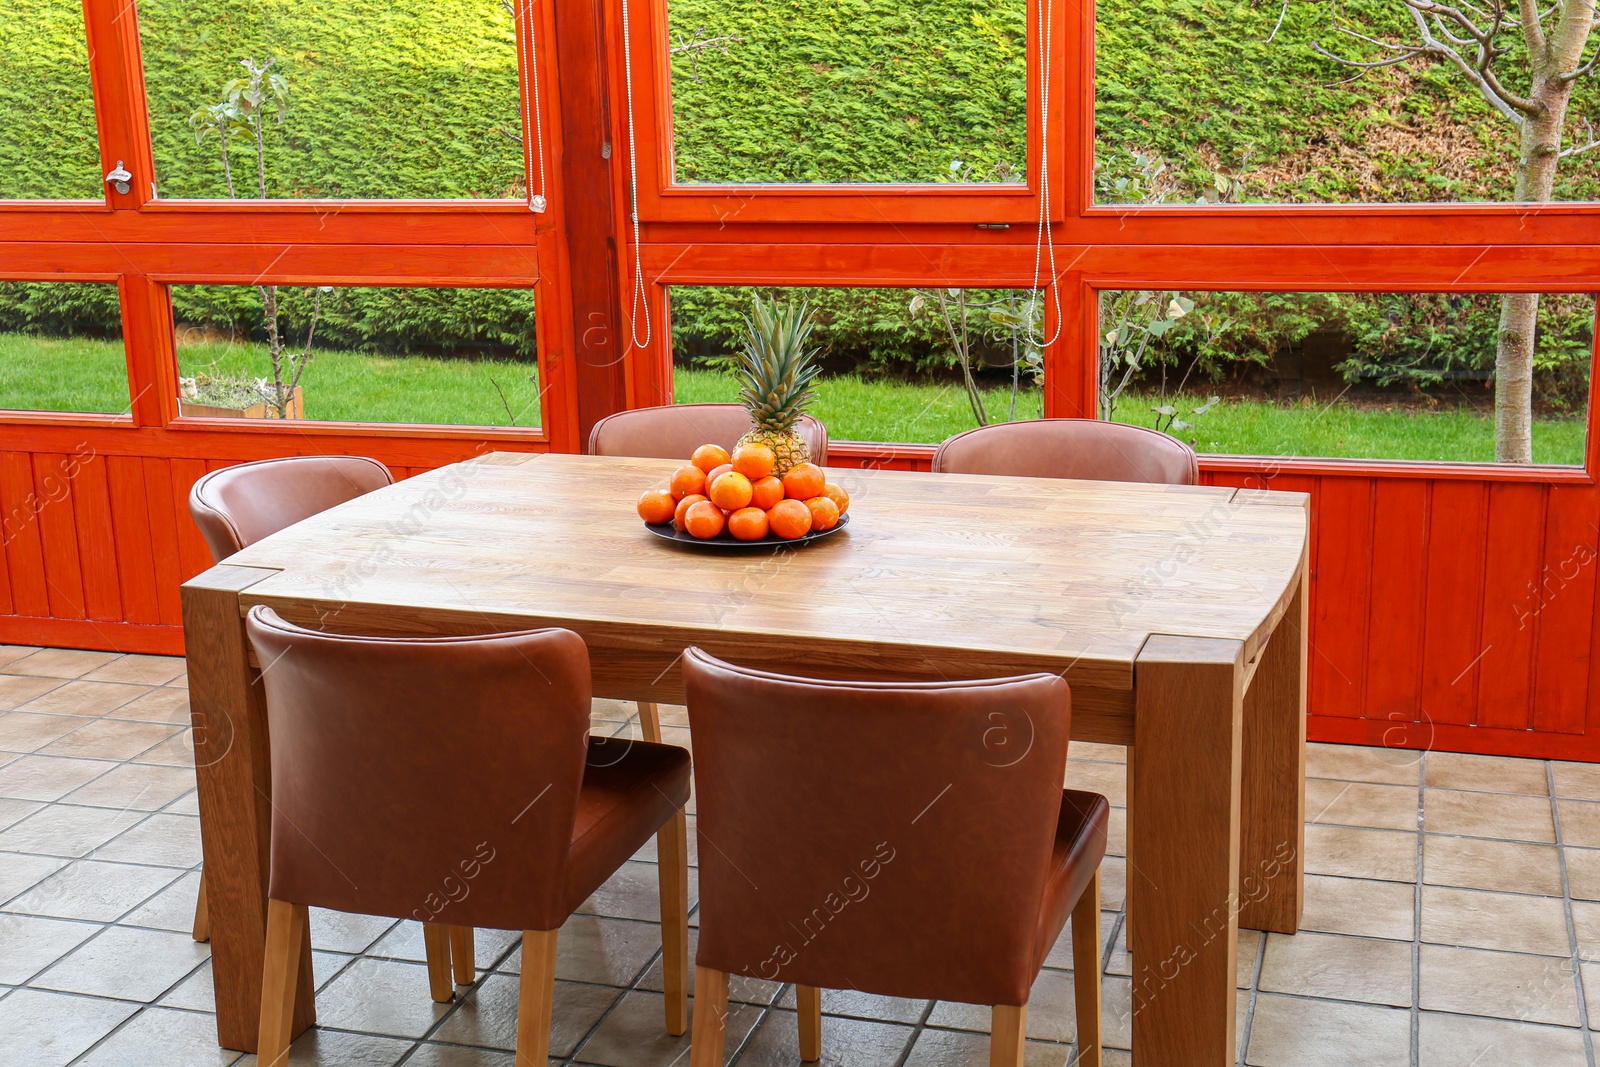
x=775, y=375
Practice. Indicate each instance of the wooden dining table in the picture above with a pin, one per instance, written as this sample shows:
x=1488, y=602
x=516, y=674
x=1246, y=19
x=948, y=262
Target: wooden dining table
x=1176, y=613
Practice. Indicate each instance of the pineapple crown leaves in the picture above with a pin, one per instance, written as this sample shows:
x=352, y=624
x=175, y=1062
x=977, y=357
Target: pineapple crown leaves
x=776, y=367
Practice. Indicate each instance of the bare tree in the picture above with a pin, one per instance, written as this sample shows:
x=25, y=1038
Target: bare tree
x=1477, y=38
x=242, y=112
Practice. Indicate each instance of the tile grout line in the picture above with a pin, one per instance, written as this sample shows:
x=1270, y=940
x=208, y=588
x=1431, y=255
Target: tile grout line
x=1242, y=1053
x=1566, y=906
x=1416, y=907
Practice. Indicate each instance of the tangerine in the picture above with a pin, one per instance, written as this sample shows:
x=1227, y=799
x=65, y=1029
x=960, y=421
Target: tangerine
x=824, y=513
x=730, y=491
x=748, y=524
x=656, y=506
x=789, y=519
x=804, y=481
x=704, y=520
x=754, y=461
x=709, y=457
x=718, y=471
x=836, y=493
x=683, y=506
x=688, y=480
x=765, y=492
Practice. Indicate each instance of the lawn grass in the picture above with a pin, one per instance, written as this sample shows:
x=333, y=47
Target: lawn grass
x=857, y=410
x=76, y=374
x=63, y=374
x=68, y=374
x=362, y=387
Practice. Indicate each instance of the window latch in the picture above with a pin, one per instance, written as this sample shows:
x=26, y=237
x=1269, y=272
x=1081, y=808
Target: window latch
x=119, y=178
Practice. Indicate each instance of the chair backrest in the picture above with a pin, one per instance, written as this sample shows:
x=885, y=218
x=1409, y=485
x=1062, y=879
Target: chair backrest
x=239, y=505
x=891, y=838
x=1070, y=448
x=673, y=431
x=425, y=777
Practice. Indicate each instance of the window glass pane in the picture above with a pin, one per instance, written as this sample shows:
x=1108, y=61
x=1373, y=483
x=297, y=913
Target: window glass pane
x=891, y=368
x=61, y=348
x=1243, y=102
x=849, y=90
x=417, y=356
x=1362, y=375
x=362, y=99
x=48, y=145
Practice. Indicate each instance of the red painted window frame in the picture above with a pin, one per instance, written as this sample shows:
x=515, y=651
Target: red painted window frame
x=662, y=198
x=145, y=244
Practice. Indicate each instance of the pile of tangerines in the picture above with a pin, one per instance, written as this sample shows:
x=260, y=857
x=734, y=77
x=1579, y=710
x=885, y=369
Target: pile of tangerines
x=716, y=492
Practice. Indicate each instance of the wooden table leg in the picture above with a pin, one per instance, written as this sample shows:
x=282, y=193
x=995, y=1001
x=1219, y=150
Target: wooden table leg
x=1188, y=735
x=1272, y=826
x=232, y=769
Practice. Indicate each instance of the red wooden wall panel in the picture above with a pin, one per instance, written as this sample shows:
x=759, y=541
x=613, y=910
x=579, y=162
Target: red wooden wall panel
x=1342, y=567
x=1453, y=609
x=1515, y=539
x=1395, y=625
x=1565, y=599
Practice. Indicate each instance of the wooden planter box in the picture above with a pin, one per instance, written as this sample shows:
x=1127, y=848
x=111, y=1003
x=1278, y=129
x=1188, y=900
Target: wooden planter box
x=262, y=410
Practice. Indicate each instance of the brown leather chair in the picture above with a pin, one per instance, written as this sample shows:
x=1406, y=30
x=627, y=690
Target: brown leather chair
x=909, y=840
x=1070, y=448
x=239, y=505
x=674, y=431
x=371, y=814
x=1073, y=448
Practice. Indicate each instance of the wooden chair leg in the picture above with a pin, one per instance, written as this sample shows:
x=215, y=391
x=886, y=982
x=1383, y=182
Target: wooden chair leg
x=1008, y=1028
x=536, y=997
x=280, y=976
x=707, y=1045
x=650, y=722
x=808, y=1001
x=1086, y=972
x=436, y=942
x=672, y=867
x=202, y=913
x=463, y=955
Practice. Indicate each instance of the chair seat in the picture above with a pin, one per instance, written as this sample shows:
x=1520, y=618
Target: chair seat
x=630, y=788
x=1079, y=847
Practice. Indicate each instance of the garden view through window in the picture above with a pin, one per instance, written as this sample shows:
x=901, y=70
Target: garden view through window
x=61, y=348
x=1301, y=102
x=48, y=141
x=907, y=365
x=463, y=357
x=414, y=98
x=1409, y=376
x=837, y=91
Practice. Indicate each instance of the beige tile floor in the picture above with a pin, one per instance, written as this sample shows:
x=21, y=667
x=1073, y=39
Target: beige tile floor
x=1452, y=919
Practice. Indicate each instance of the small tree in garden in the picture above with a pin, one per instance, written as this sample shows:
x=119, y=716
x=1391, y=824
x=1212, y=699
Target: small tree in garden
x=1524, y=63
x=974, y=320
x=242, y=112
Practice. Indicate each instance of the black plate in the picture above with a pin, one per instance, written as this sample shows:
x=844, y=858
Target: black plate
x=668, y=532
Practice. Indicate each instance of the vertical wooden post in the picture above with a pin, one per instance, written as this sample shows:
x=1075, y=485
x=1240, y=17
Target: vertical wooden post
x=1188, y=736
x=588, y=212
x=116, y=71
x=1272, y=830
x=234, y=774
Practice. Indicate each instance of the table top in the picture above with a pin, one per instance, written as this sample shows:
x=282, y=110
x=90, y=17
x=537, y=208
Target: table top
x=963, y=575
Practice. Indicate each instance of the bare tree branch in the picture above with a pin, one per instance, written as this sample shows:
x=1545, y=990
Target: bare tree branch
x=1533, y=26
x=1579, y=149
x=1284, y=11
